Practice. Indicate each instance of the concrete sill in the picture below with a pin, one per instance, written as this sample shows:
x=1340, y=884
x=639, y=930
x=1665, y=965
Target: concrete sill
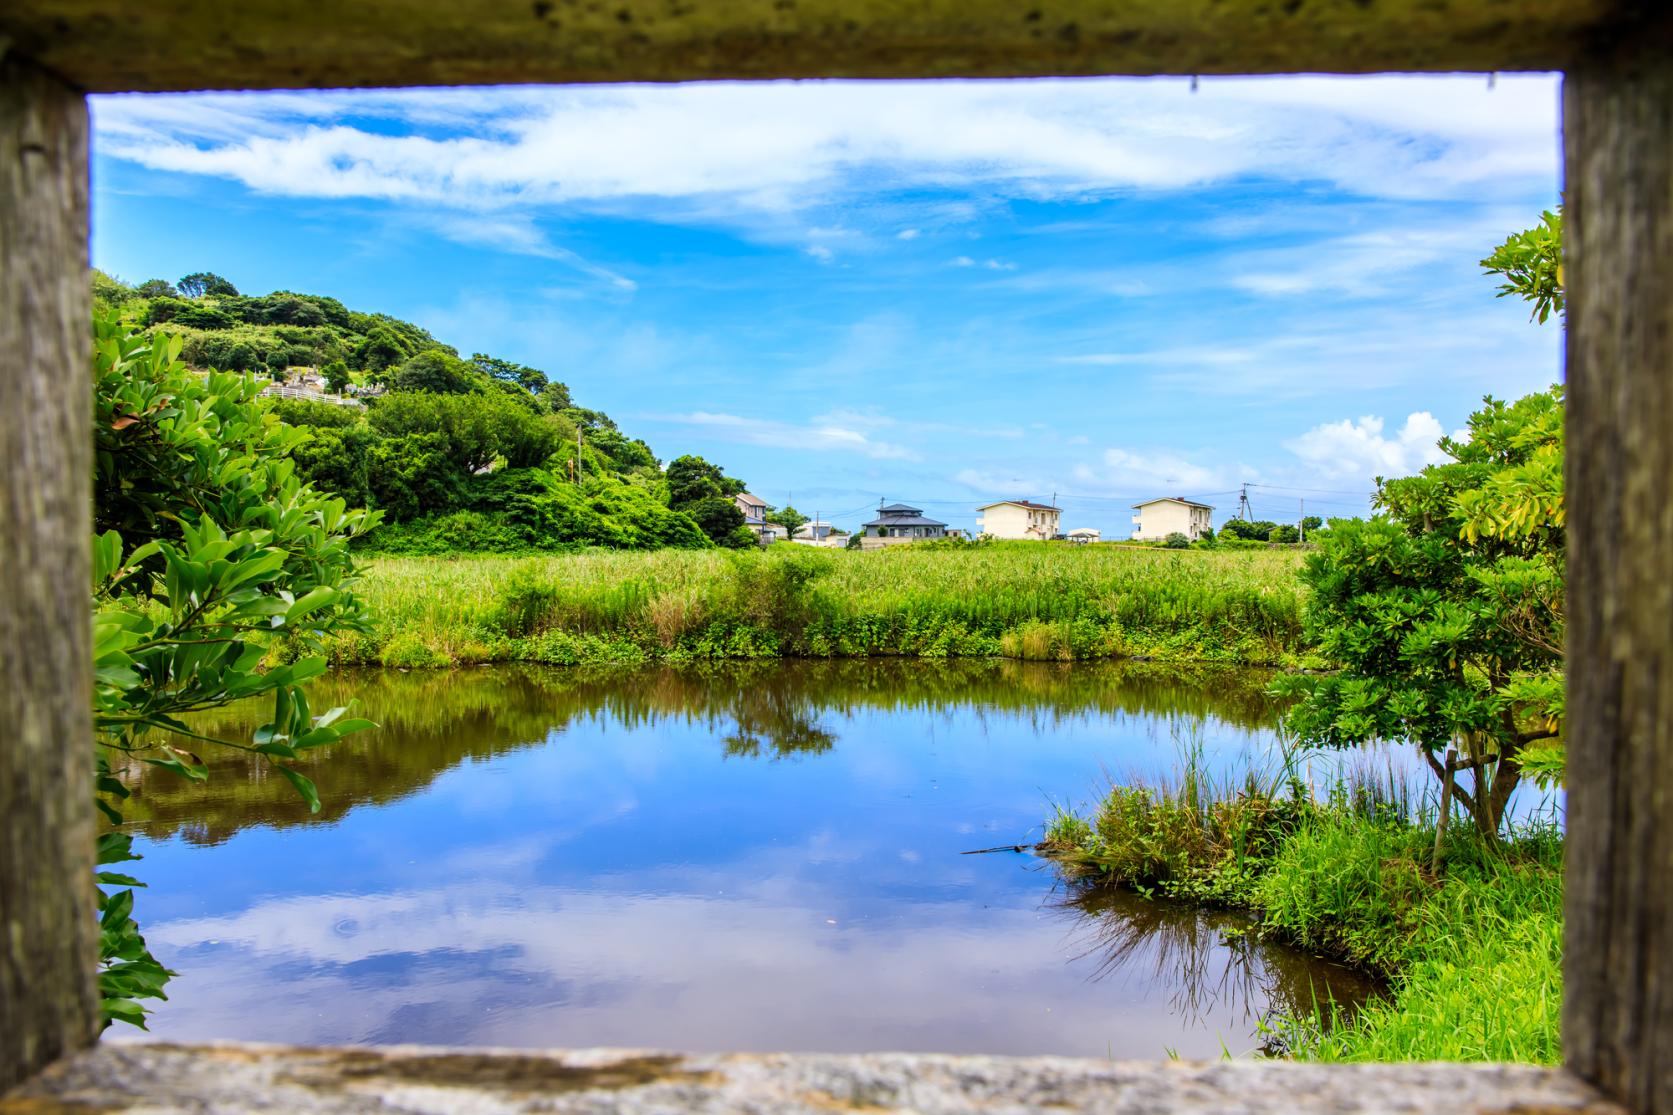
x=233, y=1079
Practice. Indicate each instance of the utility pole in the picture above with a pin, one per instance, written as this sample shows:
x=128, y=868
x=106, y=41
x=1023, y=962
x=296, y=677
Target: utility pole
x=1302, y=525
x=1243, y=509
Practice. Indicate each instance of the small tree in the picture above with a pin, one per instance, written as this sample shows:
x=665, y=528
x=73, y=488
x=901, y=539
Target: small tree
x=1283, y=532
x=200, y=283
x=1445, y=610
x=788, y=518
x=336, y=376
x=1176, y=541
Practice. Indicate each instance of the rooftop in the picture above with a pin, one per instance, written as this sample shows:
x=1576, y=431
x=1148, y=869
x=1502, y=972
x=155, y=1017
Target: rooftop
x=889, y=519
x=1176, y=499
x=1028, y=503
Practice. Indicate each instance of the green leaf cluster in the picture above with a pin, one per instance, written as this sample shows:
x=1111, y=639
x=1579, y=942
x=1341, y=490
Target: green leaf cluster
x=1445, y=610
x=1531, y=263
x=217, y=577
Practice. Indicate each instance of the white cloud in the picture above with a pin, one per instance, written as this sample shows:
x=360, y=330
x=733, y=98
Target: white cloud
x=835, y=432
x=820, y=253
x=908, y=234
x=1136, y=471
x=516, y=233
x=781, y=146
x=964, y=261
x=1359, y=449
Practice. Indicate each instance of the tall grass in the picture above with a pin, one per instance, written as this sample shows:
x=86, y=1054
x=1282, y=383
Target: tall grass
x=1023, y=600
x=1473, y=955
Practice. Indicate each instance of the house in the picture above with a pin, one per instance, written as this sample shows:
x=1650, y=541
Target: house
x=755, y=518
x=817, y=532
x=1018, y=518
x=1083, y=535
x=1158, y=518
x=897, y=524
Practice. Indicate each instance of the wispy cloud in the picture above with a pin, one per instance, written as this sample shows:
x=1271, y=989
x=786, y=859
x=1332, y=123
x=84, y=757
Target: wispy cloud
x=779, y=146
x=1139, y=471
x=824, y=433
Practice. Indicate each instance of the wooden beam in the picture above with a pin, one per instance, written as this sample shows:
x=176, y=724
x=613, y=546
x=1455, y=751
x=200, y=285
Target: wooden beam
x=48, y=939
x=145, y=46
x=1618, y=947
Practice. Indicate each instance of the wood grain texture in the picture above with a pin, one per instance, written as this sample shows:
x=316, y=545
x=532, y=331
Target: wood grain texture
x=1618, y=948
x=142, y=45
x=48, y=943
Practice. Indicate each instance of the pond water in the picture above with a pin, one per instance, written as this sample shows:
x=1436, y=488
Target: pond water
x=742, y=857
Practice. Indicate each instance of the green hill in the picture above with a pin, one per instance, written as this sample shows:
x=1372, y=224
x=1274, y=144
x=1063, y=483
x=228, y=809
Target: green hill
x=477, y=455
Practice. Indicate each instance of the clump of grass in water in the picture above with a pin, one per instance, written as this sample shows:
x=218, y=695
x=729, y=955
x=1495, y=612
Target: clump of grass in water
x=1473, y=956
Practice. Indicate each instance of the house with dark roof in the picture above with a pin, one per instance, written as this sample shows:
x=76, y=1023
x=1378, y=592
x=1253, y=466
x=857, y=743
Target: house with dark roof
x=1019, y=519
x=897, y=523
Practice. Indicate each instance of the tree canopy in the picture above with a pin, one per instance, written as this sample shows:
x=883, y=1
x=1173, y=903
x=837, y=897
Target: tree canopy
x=1445, y=609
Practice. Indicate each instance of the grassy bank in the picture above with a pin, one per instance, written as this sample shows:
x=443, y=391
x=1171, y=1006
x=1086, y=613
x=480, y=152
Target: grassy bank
x=1473, y=956
x=1023, y=600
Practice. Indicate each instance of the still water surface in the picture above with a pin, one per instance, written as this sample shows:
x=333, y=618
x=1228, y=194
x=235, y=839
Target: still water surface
x=747, y=857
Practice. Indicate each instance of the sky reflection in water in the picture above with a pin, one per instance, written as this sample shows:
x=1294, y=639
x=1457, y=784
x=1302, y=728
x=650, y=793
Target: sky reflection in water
x=750, y=857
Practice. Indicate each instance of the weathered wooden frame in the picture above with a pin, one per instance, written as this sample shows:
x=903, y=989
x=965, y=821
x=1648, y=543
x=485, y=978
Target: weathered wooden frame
x=1618, y=109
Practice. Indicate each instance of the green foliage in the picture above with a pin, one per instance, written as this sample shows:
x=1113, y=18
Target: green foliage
x=1312, y=523
x=112, y=295
x=1176, y=541
x=1473, y=958
x=447, y=421
x=338, y=459
x=1250, y=531
x=336, y=375
x=1018, y=599
x=719, y=518
x=529, y=510
x=413, y=474
x=1283, y=532
x=434, y=371
x=379, y=350
x=1445, y=611
x=692, y=478
x=200, y=283
x=156, y=288
x=476, y=430
x=532, y=380
x=787, y=517
x=1531, y=263
x=210, y=556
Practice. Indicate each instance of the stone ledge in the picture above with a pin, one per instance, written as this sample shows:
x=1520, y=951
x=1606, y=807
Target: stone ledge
x=235, y=1079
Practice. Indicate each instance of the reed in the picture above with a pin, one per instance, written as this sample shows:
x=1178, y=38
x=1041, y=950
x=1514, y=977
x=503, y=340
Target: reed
x=1472, y=956
x=1024, y=600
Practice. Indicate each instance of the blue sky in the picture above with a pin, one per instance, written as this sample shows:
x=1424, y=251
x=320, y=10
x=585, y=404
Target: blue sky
x=937, y=293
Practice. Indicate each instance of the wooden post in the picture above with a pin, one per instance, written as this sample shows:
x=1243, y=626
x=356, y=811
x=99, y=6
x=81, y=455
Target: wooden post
x=48, y=939
x=1447, y=775
x=1618, y=946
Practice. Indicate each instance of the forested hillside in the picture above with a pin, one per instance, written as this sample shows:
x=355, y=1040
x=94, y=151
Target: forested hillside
x=461, y=455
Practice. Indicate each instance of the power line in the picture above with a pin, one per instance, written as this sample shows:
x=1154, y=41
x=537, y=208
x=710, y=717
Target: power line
x=1322, y=491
